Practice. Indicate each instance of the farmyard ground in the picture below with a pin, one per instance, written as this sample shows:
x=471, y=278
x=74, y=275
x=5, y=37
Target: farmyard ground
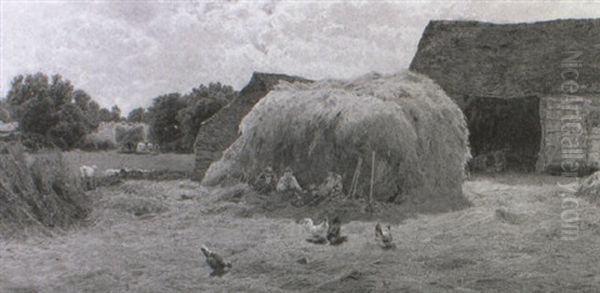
x=144, y=237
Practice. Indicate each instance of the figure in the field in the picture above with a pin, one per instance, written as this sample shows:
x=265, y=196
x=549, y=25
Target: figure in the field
x=332, y=185
x=288, y=183
x=265, y=182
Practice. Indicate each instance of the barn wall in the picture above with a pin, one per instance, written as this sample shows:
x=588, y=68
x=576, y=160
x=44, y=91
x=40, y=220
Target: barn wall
x=570, y=135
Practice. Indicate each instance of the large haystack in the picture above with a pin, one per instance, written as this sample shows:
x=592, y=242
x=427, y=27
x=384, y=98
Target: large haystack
x=38, y=191
x=418, y=134
x=217, y=133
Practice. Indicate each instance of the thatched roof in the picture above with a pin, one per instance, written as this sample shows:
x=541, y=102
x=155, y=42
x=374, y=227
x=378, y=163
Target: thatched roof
x=508, y=60
x=218, y=132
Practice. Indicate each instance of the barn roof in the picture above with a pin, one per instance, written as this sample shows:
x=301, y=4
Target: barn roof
x=219, y=131
x=509, y=60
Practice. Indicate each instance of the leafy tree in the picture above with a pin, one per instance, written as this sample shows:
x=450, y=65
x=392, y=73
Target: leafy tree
x=136, y=115
x=60, y=91
x=37, y=116
x=51, y=110
x=148, y=117
x=202, y=102
x=71, y=128
x=115, y=112
x=93, y=113
x=131, y=136
x=88, y=107
x=4, y=112
x=164, y=127
x=104, y=115
x=175, y=119
x=24, y=89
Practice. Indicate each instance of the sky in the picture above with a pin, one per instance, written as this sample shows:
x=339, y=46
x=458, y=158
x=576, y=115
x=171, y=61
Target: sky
x=129, y=52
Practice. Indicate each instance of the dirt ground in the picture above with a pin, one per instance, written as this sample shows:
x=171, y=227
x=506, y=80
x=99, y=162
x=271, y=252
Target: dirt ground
x=145, y=236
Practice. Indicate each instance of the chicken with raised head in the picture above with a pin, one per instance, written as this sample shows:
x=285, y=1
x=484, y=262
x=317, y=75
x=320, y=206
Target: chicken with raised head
x=384, y=236
x=334, y=233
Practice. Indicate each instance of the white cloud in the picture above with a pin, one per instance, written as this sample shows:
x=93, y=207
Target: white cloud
x=128, y=53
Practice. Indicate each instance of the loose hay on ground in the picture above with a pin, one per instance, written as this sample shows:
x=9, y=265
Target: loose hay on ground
x=462, y=251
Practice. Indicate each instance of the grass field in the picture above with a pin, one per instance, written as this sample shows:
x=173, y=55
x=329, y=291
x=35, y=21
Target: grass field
x=115, y=160
x=143, y=237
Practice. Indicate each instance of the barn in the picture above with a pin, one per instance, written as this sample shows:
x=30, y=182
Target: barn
x=219, y=131
x=531, y=89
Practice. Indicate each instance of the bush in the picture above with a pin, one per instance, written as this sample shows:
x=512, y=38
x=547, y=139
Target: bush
x=91, y=143
x=132, y=135
x=35, y=142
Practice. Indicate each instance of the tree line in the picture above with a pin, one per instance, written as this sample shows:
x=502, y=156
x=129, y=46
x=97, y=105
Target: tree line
x=52, y=112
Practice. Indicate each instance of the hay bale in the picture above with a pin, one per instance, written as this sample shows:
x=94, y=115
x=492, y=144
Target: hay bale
x=38, y=190
x=417, y=132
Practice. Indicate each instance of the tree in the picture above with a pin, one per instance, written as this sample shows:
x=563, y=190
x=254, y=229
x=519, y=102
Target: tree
x=104, y=115
x=201, y=103
x=93, y=113
x=164, y=127
x=51, y=110
x=24, y=89
x=4, y=112
x=115, y=112
x=71, y=128
x=60, y=91
x=89, y=108
x=129, y=136
x=38, y=116
x=136, y=115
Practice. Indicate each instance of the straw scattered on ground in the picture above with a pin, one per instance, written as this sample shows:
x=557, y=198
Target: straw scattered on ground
x=145, y=237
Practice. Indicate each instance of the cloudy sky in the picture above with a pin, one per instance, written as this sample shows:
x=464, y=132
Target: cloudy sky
x=128, y=52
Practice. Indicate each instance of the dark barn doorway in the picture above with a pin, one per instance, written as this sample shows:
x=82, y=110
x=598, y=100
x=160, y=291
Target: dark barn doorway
x=512, y=125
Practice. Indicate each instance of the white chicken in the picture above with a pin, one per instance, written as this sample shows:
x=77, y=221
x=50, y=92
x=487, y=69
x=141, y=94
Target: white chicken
x=384, y=236
x=318, y=233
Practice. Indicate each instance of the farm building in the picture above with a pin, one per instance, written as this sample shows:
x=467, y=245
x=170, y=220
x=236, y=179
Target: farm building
x=531, y=89
x=218, y=132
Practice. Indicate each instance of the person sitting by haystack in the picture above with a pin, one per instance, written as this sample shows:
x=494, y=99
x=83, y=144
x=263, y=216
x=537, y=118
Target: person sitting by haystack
x=288, y=183
x=332, y=185
x=265, y=181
